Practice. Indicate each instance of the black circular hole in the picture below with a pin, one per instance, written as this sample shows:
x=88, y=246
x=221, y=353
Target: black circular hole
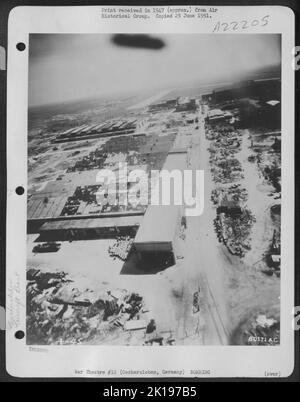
x=21, y=46
x=20, y=190
x=19, y=334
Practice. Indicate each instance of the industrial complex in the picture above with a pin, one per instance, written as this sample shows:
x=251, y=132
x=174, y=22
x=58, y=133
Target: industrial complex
x=67, y=208
x=128, y=271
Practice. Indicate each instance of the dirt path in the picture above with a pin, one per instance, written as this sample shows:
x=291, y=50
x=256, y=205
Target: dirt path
x=203, y=262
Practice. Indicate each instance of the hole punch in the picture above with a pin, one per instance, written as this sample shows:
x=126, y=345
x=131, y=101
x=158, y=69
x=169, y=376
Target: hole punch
x=21, y=46
x=20, y=190
x=19, y=334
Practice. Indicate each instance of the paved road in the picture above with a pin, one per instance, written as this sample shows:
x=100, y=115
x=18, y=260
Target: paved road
x=205, y=260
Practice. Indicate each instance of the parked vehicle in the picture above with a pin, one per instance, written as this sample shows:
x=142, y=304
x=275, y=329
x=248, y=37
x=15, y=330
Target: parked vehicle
x=49, y=247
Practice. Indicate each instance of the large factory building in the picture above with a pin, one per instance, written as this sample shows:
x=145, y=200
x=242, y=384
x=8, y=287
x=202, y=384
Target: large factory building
x=157, y=235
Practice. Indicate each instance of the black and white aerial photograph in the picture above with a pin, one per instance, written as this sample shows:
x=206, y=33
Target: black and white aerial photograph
x=109, y=117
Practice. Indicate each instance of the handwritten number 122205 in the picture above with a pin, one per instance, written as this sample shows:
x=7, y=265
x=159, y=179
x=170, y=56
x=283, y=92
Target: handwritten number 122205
x=244, y=24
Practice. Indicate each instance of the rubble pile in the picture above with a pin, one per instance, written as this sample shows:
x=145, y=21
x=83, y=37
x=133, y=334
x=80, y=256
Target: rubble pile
x=236, y=192
x=268, y=160
x=272, y=173
x=219, y=130
x=234, y=220
x=273, y=255
x=59, y=312
x=217, y=153
x=121, y=247
x=225, y=144
x=234, y=231
x=227, y=170
x=262, y=331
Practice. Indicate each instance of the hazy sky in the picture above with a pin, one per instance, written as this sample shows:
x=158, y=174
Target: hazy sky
x=66, y=67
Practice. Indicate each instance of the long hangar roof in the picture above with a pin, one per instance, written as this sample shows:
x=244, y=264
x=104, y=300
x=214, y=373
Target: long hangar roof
x=160, y=221
x=159, y=224
x=92, y=223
